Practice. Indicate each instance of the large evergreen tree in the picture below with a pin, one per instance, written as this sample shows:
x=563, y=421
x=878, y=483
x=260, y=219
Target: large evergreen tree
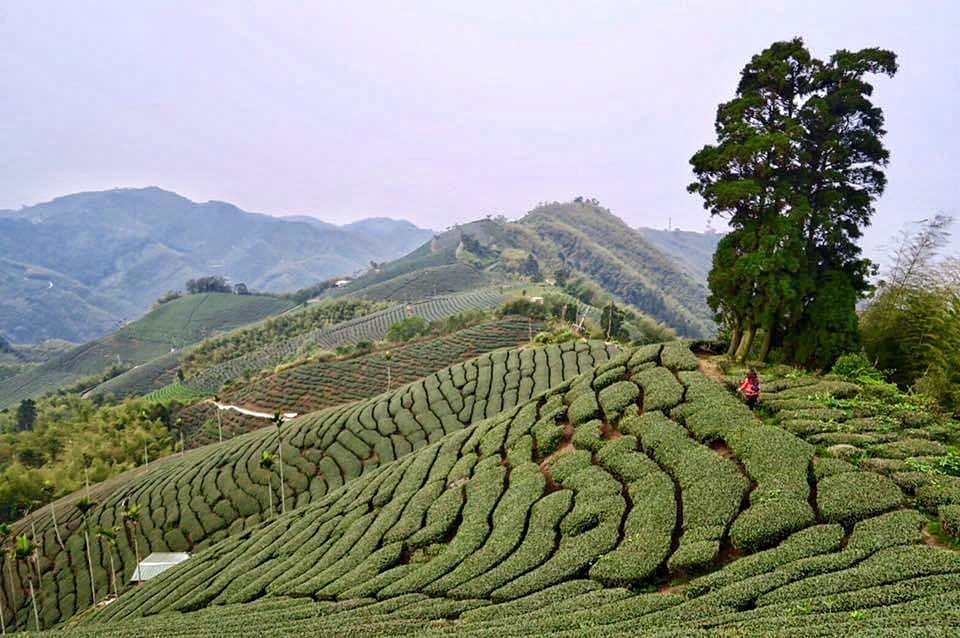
x=796, y=169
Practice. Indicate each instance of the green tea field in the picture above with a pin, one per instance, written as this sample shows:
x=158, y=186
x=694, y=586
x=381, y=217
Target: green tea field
x=569, y=490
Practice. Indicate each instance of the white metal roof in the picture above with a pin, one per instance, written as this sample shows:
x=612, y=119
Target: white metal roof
x=157, y=563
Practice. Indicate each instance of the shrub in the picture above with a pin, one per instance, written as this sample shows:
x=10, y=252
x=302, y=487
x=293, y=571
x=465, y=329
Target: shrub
x=615, y=398
x=766, y=523
x=856, y=367
x=851, y=496
x=677, y=356
x=950, y=520
x=407, y=329
x=661, y=391
x=588, y=436
x=583, y=409
x=693, y=557
x=944, y=490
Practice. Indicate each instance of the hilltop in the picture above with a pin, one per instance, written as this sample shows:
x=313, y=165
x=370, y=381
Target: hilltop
x=76, y=267
x=580, y=239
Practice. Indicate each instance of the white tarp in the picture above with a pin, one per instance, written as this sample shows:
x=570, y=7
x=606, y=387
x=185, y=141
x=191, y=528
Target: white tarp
x=156, y=563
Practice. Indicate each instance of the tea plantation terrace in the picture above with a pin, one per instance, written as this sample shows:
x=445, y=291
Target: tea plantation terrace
x=568, y=490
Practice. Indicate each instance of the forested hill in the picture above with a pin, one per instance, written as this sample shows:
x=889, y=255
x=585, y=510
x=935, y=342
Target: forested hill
x=592, y=240
x=77, y=266
x=578, y=239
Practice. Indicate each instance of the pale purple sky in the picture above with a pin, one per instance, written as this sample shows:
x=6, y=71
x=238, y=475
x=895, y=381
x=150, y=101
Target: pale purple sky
x=438, y=112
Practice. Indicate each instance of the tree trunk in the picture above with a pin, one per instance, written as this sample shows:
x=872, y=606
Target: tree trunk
x=113, y=574
x=734, y=341
x=93, y=586
x=33, y=599
x=56, y=529
x=3, y=622
x=767, y=341
x=270, y=496
x=13, y=600
x=283, y=498
x=136, y=553
x=743, y=350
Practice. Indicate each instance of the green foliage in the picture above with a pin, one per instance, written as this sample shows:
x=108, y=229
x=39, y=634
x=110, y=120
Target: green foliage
x=796, y=168
x=912, y=325
x=844, y=498
x=74, y=438
x=407, y=329
x=856, y=367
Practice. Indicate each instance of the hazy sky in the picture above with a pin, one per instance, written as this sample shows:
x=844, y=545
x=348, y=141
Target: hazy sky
x=436, y=111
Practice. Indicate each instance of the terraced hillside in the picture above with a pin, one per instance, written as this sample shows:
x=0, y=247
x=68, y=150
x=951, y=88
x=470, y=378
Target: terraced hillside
x=371, y=327
x=584, y=238
x=638, y=498
x=325, y=383
x=891, y=437
x=320, y=384
x=633, y=496
x=214, y=493
x=425, y=282
x=172, y=325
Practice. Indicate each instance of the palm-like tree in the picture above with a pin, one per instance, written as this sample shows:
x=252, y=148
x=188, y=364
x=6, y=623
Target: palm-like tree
x=388, y=356
x=108, y=536
x=25, y=549
x=49, y=492
x=278, y=421
x=84, y=505
x=131, y=518
x=266, y=462
x=180, y=429
x=216, y=402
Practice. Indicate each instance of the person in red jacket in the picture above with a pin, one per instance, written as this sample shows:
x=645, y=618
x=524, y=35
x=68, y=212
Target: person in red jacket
x=751, y=389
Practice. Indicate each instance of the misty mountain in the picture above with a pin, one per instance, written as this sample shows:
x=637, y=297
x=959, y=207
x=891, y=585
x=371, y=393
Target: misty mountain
x=690, y=249
x=78, y=266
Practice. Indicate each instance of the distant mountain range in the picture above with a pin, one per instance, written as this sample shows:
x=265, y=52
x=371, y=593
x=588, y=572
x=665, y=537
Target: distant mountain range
x=690, y=249
x=77, y=267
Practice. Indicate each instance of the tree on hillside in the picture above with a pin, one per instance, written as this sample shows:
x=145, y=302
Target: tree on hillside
x=26, y=415
x=796, y=168
x=208, y=284
x=407, y=329
x=84, y=505
x=131, y=520
x=531, y=268
x=278, y=421
x=24, y=550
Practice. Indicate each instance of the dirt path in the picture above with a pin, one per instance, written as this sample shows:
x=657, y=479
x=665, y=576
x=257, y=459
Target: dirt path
x=709, y=367
x=253, y=413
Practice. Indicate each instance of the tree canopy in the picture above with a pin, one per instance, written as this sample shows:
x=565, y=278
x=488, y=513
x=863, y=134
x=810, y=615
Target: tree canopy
x=796, y=169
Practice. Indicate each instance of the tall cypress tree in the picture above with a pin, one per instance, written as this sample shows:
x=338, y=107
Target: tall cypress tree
x=796, y=169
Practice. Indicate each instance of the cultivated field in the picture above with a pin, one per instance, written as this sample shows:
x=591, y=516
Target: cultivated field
x=371, y=327
x=530, y=491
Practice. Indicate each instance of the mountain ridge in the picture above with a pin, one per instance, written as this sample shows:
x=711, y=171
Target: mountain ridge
x=127, y=246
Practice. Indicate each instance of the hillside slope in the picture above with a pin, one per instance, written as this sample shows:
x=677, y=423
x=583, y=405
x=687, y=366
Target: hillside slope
x=584, y=238
x=110, y=254
x=172, y=325
x=693, y=250
x=219, y=492
x=637, y=497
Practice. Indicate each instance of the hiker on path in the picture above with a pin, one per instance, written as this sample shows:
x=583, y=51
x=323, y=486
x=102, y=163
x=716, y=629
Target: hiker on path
x=751, y=389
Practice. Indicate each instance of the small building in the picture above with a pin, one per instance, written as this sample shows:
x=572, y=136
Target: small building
x=156, y=563
x=342, y=282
